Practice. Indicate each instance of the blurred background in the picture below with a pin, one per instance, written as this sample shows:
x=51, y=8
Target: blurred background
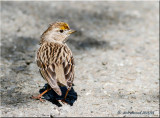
x=115, y=48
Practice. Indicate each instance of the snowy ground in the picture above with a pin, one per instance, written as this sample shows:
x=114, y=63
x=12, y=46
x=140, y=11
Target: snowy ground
x=116, y=50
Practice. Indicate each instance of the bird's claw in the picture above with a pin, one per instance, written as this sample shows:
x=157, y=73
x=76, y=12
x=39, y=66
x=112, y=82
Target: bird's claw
x=38, y=98
x=63, y=101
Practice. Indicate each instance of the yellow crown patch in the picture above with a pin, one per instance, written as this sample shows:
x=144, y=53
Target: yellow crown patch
x=64, y=26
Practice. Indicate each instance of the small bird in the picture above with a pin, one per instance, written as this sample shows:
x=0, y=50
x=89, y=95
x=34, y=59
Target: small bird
x=55, y=60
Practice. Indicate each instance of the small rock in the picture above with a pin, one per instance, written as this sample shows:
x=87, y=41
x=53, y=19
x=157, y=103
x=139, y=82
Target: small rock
x=104, y=63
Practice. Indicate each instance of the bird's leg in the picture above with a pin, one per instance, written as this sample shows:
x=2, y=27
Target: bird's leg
x=64, y=99
x=66, y=94
x=39, y=97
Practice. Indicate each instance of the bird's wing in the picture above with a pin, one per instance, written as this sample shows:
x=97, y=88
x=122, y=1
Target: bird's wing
x=50, y=76
x=56, y=65
x=65, y=66
x=69, y=71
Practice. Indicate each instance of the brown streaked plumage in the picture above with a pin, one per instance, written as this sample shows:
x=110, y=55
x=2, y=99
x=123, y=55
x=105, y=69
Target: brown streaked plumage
x=54, y=58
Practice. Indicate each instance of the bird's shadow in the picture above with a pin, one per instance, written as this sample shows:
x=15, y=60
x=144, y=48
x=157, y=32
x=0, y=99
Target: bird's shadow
x=53, y=97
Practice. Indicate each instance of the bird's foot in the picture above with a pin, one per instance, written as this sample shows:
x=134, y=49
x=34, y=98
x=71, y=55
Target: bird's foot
x=63, y=101
x=38, y=98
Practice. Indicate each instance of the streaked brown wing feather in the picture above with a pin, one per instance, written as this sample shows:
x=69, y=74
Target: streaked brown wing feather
x=69, y=72
x=48, y=73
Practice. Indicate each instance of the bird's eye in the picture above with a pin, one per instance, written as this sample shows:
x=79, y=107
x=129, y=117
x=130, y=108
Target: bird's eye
x=61, y=31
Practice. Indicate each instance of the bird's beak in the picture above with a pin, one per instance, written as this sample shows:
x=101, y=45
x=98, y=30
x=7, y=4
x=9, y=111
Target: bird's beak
x=71, y=31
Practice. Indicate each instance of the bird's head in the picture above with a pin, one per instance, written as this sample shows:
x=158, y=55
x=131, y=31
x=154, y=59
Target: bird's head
x=58, y=31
